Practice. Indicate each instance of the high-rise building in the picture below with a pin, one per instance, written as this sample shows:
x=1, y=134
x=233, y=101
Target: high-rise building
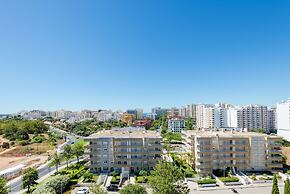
x=272, y=124
x=253, y=117
x=139, y=115
x=158, y=112
x=283, y=119
x=246, y=151
x=215, y=116
x=124, y=149
x=173, y=112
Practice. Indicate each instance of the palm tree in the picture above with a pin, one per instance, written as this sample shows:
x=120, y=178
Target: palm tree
x=55, y=161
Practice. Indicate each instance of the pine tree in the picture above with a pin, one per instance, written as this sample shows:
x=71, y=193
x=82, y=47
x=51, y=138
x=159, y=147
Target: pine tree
x=287, y=187
x=275, y=189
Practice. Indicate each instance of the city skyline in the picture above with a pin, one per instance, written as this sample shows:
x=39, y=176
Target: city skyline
x=130, y=54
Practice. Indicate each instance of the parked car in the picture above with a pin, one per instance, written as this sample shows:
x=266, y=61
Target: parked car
x=83, y=191
x=112, y=188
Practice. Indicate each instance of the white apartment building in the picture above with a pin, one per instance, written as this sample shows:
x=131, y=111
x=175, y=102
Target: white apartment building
x=283, y=119
x=253, y=117
x=210, y=116
x=176, y=125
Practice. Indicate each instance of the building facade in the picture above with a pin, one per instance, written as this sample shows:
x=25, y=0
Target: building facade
x=124, y=149
x=245, y=151
x=253, y=117
x=176, y=125
x=283, y=119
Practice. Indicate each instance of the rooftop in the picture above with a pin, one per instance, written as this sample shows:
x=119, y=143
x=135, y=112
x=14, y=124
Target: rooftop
x=128, y=132
x=225, y=133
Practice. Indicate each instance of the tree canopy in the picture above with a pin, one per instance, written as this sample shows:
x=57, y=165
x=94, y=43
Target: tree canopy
x=133, y=189
x=167, y=178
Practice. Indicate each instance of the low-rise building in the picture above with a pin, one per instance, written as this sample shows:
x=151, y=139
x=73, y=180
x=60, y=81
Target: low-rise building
x=124, y=149
x=237, y=150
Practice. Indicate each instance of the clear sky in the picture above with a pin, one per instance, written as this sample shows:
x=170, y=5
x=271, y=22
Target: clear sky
x=126, y=54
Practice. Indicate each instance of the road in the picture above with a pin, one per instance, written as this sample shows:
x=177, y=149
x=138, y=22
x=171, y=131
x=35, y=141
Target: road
x=16, y=184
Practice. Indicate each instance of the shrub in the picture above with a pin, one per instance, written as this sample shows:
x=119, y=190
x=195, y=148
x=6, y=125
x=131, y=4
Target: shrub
x=115, y=180
x=206, y=181
x=141, y=179
x=115, y=173
x=229, y=179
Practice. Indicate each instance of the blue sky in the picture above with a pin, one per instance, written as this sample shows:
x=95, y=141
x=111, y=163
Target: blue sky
x=126, y=54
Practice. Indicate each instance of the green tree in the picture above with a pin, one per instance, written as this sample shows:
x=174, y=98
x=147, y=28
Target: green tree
x=275, y=189
x=287, y=187
x=54, y=185
x=96, y=189
x=167, y=178
x=29, y=178
x=67, y=154
x=55, y=161
x=3, y=188
x=189, y=123
x=133, y=189
x=78, y=149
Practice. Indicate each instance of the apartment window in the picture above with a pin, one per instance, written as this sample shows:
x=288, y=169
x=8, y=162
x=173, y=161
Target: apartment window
x=105, y=162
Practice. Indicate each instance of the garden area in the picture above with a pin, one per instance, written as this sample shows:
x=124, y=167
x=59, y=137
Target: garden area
x=206, y=181
x=115, y=178
x=142, y=176
x=65, y=180
x=187, y=169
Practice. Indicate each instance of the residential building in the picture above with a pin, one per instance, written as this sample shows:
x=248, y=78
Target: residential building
x=128, y=118
x=158, y=112
x=132, y=112
x=176, y=124
x=173, y=112
x=253, y=117
x=124, y=149
x=221, y=149
x=145, y=123
x=283, y=119
x=272, y=124
x=139, y=115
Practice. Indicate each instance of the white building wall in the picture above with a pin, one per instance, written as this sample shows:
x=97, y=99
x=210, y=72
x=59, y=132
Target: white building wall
x=283, y=119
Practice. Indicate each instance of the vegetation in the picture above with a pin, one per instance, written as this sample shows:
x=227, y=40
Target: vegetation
x=55, y=161
x=29, y=178
x=275, y=189
x=133, y=189
x=188, y=170
x=206, y=181
x=56, y=184
x=189, y=123
x=229, y=179
x=258, y=130
x=78, y=149
x=142, y=176
x=3, y=188
x=167, y=178
x=287, y=187
x=162, y=123
x=67, y=153
x=88, y=127
x=19, y=129
x=96, y=189
x=285, y=143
